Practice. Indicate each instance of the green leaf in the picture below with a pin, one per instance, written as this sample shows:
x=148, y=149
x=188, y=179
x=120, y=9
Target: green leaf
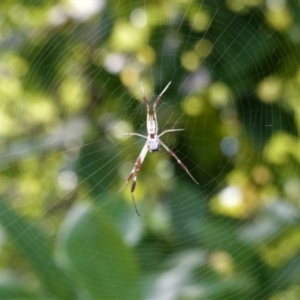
x=216, y=234
x=13, y=292
x=97, y=256
x=12, y=289
x=288, y=275
x=35, y=246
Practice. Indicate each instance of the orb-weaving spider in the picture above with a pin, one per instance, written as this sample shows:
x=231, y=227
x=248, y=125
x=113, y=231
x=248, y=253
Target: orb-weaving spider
x=152, y=144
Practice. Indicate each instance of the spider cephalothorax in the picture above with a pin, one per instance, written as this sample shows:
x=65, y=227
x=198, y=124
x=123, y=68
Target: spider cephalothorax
x=152, y=144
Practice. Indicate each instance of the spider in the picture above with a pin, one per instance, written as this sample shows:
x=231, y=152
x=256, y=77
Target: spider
x=152, y=144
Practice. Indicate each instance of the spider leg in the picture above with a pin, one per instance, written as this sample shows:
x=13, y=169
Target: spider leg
x=178, y=160
x=169, y=130
x=145, y=99
x=158, y=99
x=134, y=173
x=133, y=133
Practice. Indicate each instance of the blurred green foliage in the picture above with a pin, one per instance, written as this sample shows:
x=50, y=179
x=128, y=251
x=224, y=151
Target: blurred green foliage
x=70, y=87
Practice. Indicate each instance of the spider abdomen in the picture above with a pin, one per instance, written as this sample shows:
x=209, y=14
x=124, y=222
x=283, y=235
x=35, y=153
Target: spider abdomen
x=154, y=150
x=153, y=143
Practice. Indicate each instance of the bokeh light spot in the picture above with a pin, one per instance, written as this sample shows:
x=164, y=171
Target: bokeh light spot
x=190, y=60
x=67, y=180
x=138, y=18
x=261, y=175
x=147, y=55
x=230, y=145
x=115, y=62
x=203, y=48
x=269, y=89
x=129, y=76
x=279, y=19
x=193, y=106
x=200, y=20
x=219, y=94
x=119, y=128
x=126, y=37
x=83, y=10
x=231, y=197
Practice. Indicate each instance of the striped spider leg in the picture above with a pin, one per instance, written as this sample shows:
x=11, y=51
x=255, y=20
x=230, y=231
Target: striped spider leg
x=152, y=144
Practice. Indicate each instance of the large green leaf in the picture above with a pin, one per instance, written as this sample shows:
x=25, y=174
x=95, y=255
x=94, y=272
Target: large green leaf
x=97, y=256
x=35, y=246
x=288, y=275
x=216, y=234
x=11, y=287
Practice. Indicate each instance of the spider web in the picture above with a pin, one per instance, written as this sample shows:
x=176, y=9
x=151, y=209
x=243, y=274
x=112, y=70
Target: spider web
x=71, y=74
